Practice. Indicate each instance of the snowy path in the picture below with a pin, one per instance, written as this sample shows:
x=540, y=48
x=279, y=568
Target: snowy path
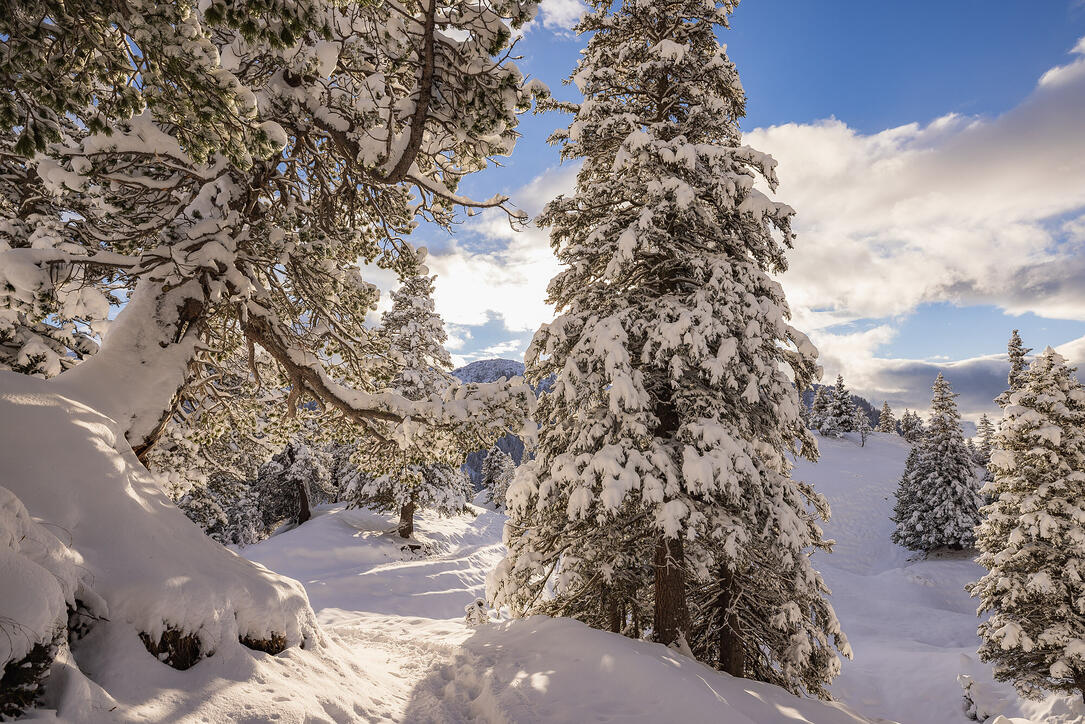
x=398, y=616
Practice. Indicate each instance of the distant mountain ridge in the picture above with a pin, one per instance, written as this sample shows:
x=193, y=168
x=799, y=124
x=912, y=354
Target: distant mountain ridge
x=481, y=372
x=489, y=370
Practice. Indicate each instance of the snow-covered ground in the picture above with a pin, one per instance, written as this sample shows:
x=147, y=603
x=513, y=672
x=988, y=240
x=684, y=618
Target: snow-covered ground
x=395, y=647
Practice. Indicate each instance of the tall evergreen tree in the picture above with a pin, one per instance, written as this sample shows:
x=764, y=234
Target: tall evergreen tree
x=427, y=474
x=887, y=423
x=663, y=461
x=945, y=507
x=1031, y=539
x=840, y=415
x=1016, y=352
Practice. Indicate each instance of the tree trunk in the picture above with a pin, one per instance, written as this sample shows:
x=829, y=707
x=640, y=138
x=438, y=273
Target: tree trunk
x=611, y=610
x=671, y=621
x=304, y=510
x=406, y=520
x=732, y=648
x=137, y=375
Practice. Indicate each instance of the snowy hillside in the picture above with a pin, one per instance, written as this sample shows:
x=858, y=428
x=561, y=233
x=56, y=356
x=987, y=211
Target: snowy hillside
x=911, y=624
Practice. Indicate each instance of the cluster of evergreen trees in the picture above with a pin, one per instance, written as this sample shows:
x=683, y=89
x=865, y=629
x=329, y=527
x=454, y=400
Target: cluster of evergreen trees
x=1027, y=520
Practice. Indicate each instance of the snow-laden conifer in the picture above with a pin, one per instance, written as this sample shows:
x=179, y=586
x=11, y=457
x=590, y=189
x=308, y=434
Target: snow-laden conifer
x=887, y=423
x=839, y=416
x=290, y=484
x=1032, y=539
x=912, y=427
x=497, y=471
x=426, y=474
x=944, y=509
x=662, y=466
x=1016, y=353
x=905, y=496
x=985, y=433
x=820, y=407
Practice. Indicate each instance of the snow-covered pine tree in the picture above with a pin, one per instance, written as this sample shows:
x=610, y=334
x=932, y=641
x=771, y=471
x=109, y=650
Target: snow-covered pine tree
x=905, y=496
x=1016, y=353
x=662, y=465
x=912, y=427
x=426, y=474
x=288, y=485
x=839, y=417
x=497, y=471
x=887, y=423
x=861, y=423
x=985, y=432
x=945, y=508
x=1031, y=538
x=820, y=407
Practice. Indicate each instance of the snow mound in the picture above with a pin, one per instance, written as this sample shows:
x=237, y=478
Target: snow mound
x=542, y=669
x=42, y=580
x=403, y=613
x=154, y=569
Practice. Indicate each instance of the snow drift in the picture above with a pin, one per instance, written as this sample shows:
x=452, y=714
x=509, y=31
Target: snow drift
x=142, y=565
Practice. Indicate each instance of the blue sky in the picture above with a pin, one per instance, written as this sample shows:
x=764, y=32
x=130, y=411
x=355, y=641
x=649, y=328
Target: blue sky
x=933, y=153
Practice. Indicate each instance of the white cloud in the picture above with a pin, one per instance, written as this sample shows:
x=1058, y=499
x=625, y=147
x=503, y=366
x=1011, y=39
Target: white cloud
x=510, y=284
x=958, y=210
x=561, y=14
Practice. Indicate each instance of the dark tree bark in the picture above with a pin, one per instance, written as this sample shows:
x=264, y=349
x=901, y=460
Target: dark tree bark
x=406, y=520
x=304, y=510
x=671, y=620
x=732, y=648
x=671, y=616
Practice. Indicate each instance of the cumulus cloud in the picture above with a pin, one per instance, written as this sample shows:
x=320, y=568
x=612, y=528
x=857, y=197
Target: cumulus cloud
x=962, y=209
x=561, y=14
x=502, y=272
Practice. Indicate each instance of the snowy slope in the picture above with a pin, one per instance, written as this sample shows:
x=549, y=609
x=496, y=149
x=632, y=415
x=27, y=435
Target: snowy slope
x=910, y=622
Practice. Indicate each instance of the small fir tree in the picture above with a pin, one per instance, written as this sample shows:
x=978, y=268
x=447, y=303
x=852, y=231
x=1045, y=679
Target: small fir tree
x=497, y=471
x=905, y=495
x=1031, y=539
x=887, y=423
x=1016, y=352
x=820, y=407
x=912, y=427
x=840, y=415
x=945, y=508
x=288, y=485
x=862, y=426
